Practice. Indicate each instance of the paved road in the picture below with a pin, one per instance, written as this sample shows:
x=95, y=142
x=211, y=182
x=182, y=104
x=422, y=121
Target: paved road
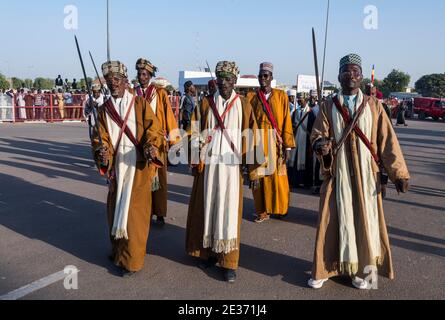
x=52, y=215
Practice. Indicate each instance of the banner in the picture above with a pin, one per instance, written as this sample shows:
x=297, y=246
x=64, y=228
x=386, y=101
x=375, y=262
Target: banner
x=306, y=83
x=6, y=108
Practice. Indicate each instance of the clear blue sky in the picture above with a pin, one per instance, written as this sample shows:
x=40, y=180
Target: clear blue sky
x=180, y=35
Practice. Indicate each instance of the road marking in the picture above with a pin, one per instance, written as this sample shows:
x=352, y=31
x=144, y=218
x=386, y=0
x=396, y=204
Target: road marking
x=35, y=286
x=179, y=194
x=57, y=206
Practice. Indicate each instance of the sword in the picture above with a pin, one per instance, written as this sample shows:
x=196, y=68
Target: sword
x=324, y=53
x=108, y=31
x=90, y=96
x=104, y=90
x=317, y=76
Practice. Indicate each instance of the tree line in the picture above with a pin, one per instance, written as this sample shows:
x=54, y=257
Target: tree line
x=432, y=85
x=37, y=83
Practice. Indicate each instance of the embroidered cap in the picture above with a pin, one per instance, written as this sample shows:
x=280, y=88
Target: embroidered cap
x=266, y=66
x=226, y=67
x=143, y=64
x=351, y=59
x=114, y=67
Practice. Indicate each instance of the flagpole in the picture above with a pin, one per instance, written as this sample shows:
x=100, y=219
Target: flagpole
x=325, y=46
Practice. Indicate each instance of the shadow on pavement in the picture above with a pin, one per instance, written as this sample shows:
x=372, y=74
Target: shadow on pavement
x=169, y=243
x=71, y=223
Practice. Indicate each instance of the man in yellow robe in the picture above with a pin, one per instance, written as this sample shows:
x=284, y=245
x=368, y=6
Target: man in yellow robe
x=216, y=203
x=128, y=142
x=355, y=142
x=158, y=100
x=272, y=112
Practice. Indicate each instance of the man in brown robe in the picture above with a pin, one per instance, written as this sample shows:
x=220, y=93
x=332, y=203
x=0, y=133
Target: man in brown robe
x=126, y=150
x=352, y=238
x=216, y=204
x=158, y=100
x=272, y=112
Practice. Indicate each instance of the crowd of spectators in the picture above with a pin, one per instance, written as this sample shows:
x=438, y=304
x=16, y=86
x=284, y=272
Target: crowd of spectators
x=64, y=102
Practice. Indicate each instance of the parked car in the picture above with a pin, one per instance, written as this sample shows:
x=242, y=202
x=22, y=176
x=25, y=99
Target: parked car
x=429, y=107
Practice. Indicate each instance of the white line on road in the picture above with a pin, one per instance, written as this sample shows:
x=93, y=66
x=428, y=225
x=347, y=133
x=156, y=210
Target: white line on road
x=179, y=194
x=57, y=206
x=35, y=286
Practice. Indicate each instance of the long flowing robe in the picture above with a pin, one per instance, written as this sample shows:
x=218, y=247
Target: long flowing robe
x=161, y=106
x=401, y=114
x=196, y=213
x=272, y=197
x=125, y=165
x=303, y=172
x=327, y=248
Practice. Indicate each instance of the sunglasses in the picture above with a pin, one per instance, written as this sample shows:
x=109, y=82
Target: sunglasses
x=264, y=76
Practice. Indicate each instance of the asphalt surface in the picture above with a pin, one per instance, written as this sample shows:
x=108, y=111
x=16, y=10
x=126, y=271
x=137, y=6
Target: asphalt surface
x=52, y=215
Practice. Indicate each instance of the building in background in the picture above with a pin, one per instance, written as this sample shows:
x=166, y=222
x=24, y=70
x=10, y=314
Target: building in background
x=200, y=80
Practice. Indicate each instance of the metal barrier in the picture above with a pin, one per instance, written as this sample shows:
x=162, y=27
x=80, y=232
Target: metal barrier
x=52, y=107
x=49, y=107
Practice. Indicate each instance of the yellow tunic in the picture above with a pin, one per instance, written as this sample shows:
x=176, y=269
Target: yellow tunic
x=130, y=254
x=273, y=195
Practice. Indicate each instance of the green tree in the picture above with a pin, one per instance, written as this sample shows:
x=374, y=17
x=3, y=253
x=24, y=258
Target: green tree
x=82, y=82
x=43, y=83
x=4, y=83
x=28, y=83
x=366, y=81
x=396, y=81
x=17, y=83
x=432, y=85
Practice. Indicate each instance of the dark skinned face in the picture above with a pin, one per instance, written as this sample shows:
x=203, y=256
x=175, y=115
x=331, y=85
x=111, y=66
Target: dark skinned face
x=350, y=78
x=96, y=94
x=117, y=84
x=192, y=90
x=144, y=78
x=212, y=89
x=265, y=78
x=226, y=85
x=312, y=101
x=292, y=99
